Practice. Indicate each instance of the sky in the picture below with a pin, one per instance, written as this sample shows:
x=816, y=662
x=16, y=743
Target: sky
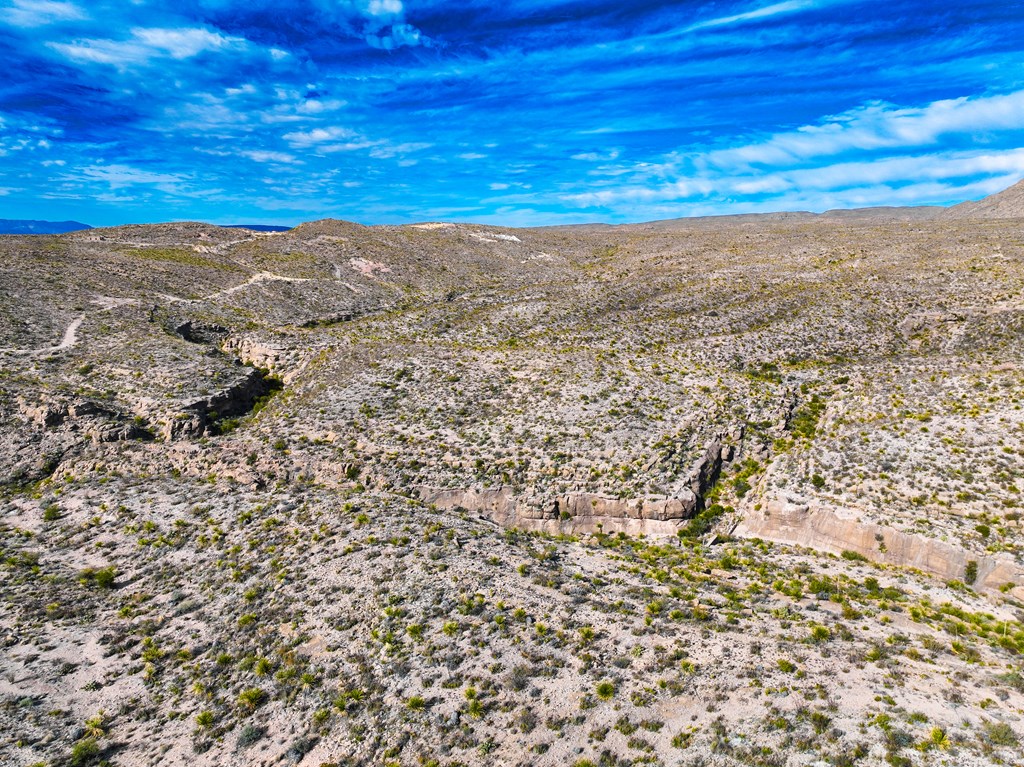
x=516, y=113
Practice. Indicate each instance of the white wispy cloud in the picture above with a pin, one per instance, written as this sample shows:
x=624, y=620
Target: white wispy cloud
x=119, y=176
x=146, y=44
x=876, y=145
x=38, y=13
x=878, y=126
x=384, y=7
x=381, y=23
x=848, y=181
x=388, y=150
x=318, y=106
x=611, y=154
x=318, y=136
x=789, y=6
x=397, y=36
x=259, y=155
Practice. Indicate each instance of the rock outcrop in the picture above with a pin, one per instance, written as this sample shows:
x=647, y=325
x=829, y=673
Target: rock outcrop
x=238, y=398
x=584, y=512
x=571, y=513
x=201, y=332
x=88, y=418
x=53, y=427
x=836, y=530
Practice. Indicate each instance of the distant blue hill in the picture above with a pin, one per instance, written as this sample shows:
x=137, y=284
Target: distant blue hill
x=257, y=227
x=18, y=226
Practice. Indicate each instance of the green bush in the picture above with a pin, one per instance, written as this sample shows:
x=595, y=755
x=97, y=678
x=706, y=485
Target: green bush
x=252, y=698
x=820, y=634
x=1000, y=734
x=416, y=703
x=84, y=751
x=249, y=735
x=101, y=579
x=704, y=521
x=805, y=420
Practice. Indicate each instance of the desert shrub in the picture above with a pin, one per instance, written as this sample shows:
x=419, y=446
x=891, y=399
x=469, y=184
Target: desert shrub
x=84, y=751
x=937, y=738
x=820, y=722
x=625, y=726
x=252, y=698
x=250, y=734
x=525, y=720
x=820, y=634
x=999, y=734
x=1014, y=680
x=101, y=579
x=301, y=747
x=703, y=522
x=519, y=678
x=416, y=703
x=805, y=420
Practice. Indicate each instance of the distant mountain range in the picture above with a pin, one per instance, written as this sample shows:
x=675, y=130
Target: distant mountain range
x=1006, y=204
x=257, y=227
x=18, y=226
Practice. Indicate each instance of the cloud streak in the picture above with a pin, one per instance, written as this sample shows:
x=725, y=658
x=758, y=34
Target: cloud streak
x=146, y=45
x=758, y=14
x=37, y=13
x=880, y=126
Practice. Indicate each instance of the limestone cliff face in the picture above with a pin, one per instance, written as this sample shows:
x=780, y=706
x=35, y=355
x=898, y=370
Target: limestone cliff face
x=582, y=512
x=571, y=513
x=836, y=530
x=234, y=399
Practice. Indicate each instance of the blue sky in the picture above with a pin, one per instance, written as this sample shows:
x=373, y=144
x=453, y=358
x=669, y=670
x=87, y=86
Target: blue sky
x=519, y=112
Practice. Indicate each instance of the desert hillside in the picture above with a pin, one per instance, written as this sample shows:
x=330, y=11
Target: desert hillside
x=737, y=491
x=1006, y=204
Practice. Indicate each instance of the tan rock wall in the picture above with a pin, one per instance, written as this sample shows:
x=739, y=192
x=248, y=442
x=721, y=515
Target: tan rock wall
x=836, y=530
x=572, y=513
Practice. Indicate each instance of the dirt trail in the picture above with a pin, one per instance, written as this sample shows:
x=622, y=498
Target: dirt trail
x=107, y=303
x=258, y=277
x=70, y=337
